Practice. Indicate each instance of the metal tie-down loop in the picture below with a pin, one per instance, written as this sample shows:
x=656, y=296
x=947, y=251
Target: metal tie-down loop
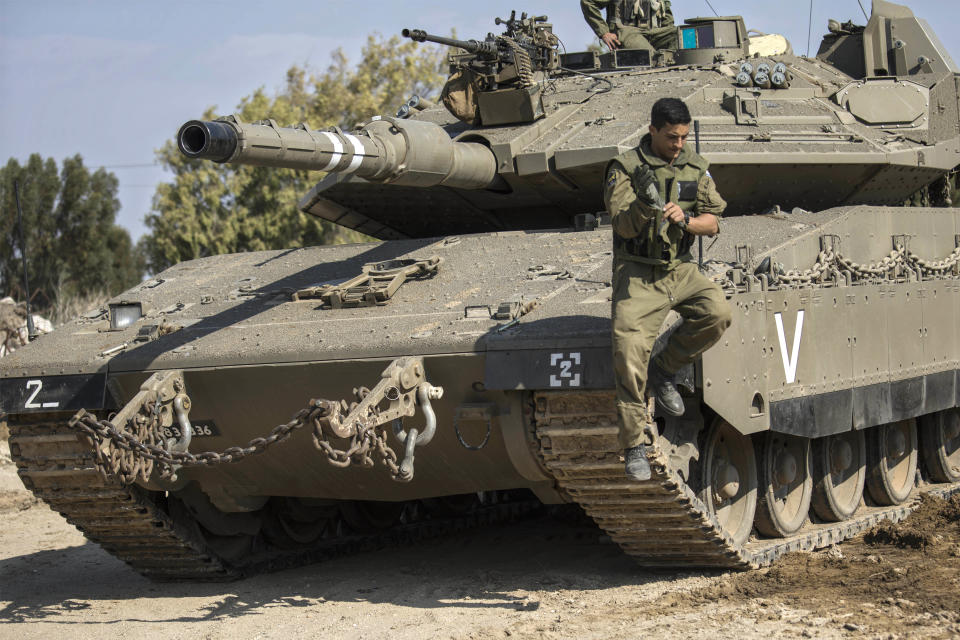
x=472, y=447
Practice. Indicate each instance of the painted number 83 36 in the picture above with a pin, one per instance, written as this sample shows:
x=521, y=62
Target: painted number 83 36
x=200, y=430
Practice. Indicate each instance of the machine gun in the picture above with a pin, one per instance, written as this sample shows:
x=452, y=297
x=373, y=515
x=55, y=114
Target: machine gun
x=535, y=35
x=497, y=80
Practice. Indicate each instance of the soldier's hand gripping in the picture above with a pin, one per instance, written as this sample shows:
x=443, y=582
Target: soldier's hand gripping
x=611, y=40
x=673, y=213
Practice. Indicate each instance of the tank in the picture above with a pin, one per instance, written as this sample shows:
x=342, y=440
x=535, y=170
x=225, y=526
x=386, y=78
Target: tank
x=240, y=413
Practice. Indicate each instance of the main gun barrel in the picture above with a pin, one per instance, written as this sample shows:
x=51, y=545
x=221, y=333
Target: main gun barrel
x=406, y=152
x=472, y=46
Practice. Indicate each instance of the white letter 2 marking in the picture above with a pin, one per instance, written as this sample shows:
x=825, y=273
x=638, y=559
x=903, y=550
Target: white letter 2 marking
x=789, y=363
x=30, y=404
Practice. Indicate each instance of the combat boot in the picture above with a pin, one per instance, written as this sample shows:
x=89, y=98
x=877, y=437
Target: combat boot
x=637, y=466
x=660, y=384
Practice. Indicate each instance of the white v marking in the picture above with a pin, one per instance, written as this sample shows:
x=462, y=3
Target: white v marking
x=789, y=362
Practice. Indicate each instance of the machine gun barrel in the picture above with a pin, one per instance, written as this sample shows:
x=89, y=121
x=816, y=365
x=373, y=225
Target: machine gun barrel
x=407, y=152
x=472, y=46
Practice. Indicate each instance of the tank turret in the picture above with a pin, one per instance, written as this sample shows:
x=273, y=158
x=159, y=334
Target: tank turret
x=527, y=131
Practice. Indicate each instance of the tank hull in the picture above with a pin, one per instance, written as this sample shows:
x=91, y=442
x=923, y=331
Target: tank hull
x=872, y=351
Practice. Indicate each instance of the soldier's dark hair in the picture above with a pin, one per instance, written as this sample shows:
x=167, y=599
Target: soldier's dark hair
x=669, y=111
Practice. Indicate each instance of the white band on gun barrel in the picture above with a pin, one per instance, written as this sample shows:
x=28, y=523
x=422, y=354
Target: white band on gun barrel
x=337, y=150
x=357, y=153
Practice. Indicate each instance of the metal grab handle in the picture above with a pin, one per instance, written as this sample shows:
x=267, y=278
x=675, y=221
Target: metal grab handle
x=406, y=467
x=181, y=406
x=415, y=437
x=425, y=393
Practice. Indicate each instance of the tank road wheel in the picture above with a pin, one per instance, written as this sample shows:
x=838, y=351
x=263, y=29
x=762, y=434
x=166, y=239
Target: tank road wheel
x=296, y=522
x=729, y=480
x=232, y=536
x=940, y=443
x=368, y=516
x=892, y=462
x=839, y=471
x=452, y=506
x=786, y=485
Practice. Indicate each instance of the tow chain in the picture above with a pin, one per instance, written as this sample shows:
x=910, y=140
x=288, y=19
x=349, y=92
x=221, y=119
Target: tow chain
x=130, y=452
x=133, y=445
x=832, y=265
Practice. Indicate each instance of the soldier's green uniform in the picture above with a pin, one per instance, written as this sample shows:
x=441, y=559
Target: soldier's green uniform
x=654, y=273
x=638, y=24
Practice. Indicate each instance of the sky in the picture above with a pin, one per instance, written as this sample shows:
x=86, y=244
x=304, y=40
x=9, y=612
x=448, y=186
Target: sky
x=113, y=80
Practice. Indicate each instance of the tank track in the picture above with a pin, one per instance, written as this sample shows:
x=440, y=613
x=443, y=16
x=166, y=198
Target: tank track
x=662, y=522
x=59, y=469
x=134, y=525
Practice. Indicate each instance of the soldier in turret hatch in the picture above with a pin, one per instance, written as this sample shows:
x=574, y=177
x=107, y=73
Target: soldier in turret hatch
x=659, y=196
x=632, y=24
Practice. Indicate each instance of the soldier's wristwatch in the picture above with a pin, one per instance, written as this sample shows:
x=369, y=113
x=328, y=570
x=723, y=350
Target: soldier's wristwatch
x=686, y=218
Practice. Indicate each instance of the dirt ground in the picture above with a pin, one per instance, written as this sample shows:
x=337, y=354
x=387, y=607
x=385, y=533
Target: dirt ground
x=549, y=577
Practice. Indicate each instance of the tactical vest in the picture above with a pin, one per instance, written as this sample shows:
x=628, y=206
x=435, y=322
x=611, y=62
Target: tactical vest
x=677, y=183
x=649, y=14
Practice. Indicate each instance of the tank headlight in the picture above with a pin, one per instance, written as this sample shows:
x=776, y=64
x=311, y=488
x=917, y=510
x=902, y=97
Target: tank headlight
x=124, y=314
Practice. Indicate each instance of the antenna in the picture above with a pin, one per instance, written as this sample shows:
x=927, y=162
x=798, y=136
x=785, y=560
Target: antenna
x=864, y=10
x=696, y=138
x=31, y=330
x=711, y=8
x=809, y=28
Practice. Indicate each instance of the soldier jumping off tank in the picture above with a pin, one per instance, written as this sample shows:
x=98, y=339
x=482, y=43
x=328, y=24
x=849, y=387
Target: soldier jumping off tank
x=632, y=24
x=654, y=271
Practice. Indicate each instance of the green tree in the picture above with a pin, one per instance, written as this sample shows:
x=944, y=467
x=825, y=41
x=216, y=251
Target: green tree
x=211, y=208
x=74, y=246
